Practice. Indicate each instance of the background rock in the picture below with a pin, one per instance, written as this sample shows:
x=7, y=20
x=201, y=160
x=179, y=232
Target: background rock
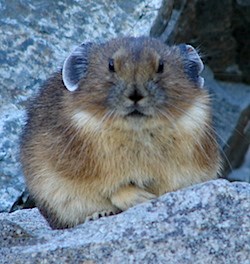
x=243, y=172
x=206, y=223
x=35, y=38
x=220, y=28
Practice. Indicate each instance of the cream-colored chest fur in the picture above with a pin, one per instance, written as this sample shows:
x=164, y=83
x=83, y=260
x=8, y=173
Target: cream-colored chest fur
x=150, y=159
x=156, y=158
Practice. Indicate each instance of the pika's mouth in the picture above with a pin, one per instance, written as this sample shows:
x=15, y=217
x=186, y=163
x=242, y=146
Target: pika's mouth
x=136, y=113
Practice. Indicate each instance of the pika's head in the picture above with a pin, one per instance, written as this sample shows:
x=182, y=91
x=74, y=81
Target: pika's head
x=133, y=80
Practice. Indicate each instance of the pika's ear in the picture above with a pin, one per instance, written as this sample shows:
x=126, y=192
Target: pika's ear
x=193, y=64
x=75, y=66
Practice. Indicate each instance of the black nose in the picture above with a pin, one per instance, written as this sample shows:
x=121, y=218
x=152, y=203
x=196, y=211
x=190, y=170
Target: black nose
x=135, y=96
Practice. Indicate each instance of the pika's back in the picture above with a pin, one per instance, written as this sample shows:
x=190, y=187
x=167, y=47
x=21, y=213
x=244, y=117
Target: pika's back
x=123, y=122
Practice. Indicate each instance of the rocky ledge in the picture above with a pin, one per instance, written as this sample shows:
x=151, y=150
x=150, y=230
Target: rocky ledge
x=206, y=223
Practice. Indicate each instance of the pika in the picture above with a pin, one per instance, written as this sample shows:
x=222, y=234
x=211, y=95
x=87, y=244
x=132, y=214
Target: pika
x=123, y=122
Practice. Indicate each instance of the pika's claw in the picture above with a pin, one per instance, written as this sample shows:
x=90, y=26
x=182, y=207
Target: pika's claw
x=98, y=215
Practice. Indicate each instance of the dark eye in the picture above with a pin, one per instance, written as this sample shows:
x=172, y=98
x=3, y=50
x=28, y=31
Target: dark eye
x=111, y=65
x=160, y=67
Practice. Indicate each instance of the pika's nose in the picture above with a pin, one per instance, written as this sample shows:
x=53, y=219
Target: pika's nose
x=135, y=96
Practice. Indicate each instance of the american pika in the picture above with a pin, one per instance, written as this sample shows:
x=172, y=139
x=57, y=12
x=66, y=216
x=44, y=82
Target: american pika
x=122, y=122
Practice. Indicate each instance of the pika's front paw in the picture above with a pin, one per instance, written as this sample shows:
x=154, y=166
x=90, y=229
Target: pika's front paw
x=130, y=196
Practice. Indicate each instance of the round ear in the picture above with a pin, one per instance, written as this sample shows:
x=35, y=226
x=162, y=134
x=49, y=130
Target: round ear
x=75, y=66
x=193, y=64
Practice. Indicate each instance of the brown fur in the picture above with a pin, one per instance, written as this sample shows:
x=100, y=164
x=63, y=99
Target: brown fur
x=79, y=162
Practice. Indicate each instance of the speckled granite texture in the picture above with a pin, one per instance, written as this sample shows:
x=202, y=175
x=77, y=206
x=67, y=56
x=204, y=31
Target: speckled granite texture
x=206, y=223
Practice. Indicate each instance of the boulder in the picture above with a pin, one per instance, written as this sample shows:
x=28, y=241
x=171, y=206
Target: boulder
x=220, y=28
x=205, y=223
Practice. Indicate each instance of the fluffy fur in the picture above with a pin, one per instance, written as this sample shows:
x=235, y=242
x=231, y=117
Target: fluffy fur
x=95, y=151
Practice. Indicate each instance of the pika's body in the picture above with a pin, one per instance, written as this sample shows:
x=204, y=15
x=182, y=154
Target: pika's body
x=122, y=123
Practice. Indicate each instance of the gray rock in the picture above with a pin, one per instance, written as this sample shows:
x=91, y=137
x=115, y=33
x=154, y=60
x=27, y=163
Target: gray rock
x=35, y=37
x=243, y=2
x=241, y=27
x=11, y=181
x=206, y=223
x=243, y=172
x=220, y=28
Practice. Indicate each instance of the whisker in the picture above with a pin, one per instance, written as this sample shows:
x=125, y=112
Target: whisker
x=188, y=100
x=186, y=113
x=235, y=129
x=210, y=134
x=72, y=138
x=108, y=115
x=72, y=135
x=171, y=119
x=96, y=131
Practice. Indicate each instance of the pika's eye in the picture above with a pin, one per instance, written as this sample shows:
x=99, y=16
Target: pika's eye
x=111, y=65
x=160, y=67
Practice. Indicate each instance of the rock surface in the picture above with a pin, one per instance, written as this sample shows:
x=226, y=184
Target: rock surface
x=35, y=38
x=220, y=28
x=206, y=223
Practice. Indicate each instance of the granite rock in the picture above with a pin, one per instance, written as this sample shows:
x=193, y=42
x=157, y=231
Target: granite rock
x=206, y=223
